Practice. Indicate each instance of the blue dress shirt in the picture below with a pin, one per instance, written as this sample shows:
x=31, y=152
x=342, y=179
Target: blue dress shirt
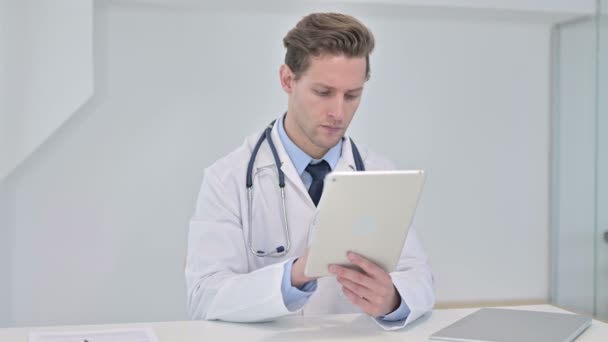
x=294, y=297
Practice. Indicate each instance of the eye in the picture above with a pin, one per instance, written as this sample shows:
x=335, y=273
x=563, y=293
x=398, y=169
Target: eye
x=350, y=97
x=322, y=93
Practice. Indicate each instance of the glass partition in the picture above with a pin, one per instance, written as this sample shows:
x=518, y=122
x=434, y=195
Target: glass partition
x=579, y=198
x=601, y=276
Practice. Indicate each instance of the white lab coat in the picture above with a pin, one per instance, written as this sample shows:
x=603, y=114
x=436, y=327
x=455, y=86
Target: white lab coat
x=225, y=281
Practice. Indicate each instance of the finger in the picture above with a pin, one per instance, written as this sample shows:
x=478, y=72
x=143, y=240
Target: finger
x=353, y=275
x=361, y=291
x=365, y=305
x=369, y=267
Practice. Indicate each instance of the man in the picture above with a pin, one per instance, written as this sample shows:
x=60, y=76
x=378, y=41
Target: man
x=245, y=258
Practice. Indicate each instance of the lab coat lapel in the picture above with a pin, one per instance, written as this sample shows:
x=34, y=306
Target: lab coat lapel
x=346, y=161
x=286, y=165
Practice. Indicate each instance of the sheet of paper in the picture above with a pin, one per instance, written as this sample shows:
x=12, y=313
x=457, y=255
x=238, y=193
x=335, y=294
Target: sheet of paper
x=113, y=335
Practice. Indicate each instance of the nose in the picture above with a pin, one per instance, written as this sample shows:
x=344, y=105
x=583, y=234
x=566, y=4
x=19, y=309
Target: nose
x=337, y=109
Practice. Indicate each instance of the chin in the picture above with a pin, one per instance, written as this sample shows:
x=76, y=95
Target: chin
x=329, y=144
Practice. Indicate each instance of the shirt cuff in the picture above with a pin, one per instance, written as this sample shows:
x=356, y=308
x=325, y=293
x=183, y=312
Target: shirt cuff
x=293, y=297
x=398, y=315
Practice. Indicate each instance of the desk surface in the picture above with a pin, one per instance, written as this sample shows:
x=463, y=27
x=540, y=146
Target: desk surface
x=297, y=328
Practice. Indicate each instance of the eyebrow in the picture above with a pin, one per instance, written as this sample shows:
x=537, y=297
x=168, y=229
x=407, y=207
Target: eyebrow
x=332, y=88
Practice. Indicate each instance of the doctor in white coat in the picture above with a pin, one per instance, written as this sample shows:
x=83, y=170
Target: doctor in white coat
x=245, y=260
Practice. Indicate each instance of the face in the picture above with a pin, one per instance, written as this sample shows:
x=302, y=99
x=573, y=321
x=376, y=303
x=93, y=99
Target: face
x=323, y=101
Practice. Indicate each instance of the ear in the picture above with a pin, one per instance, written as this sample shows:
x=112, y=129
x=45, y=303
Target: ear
x=287, y=78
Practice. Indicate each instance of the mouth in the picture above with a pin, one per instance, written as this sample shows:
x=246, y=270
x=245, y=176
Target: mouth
x=332, y=129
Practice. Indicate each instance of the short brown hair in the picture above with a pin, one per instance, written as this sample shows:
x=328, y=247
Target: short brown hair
x=326, y=33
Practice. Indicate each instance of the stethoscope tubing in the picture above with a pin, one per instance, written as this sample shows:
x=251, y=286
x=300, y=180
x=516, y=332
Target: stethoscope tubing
x=266, y=135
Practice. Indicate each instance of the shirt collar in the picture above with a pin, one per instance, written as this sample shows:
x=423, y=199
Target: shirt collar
x=299, y=158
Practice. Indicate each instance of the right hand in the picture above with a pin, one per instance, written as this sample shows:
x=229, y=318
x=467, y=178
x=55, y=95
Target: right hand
x=298, y=279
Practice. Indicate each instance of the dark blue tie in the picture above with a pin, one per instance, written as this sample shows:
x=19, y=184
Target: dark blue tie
x=318, y=172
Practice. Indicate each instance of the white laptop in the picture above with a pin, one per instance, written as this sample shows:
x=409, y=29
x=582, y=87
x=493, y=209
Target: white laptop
x=366, y=212
x=511, y=325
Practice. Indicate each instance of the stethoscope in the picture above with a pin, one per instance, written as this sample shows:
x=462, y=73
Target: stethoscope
x=280, y=250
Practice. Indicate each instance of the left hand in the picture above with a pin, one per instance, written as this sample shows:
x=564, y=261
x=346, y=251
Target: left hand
x=372, y=290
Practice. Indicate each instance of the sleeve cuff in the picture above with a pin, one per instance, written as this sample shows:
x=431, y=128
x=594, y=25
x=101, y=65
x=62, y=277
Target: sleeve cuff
x=398, y=315
x=293, y=297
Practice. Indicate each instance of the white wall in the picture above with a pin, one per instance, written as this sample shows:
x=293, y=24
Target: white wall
x=578, y=6
x=462, y=101
x=562, y=9
x=7, y=224
x=566, y=6
x=49, y=50
x=5, y=253
x=45, y=75
x=50, y=47
x=102, y=208
x=3, y=38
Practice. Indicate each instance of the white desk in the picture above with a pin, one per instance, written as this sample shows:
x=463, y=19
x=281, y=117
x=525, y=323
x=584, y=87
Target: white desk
x=297, y=328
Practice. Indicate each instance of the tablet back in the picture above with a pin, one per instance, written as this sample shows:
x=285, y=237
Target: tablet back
x=368, y=213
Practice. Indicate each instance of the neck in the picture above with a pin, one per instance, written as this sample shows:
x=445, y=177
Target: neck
x=295, y=133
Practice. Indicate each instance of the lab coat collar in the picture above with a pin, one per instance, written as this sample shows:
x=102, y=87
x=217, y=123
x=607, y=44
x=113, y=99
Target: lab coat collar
x=265, y=159
x=346, y=161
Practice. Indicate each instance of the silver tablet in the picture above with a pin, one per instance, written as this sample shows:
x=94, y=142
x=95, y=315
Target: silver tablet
x=366, y=212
